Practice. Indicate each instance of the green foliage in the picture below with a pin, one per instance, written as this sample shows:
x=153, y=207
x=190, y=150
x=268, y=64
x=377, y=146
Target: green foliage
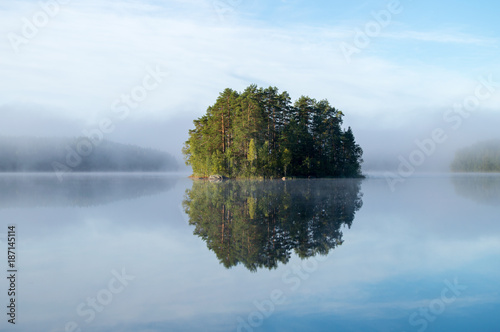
x=259, y=223
x=480, y=157
x=259, y=133
x=286, y=159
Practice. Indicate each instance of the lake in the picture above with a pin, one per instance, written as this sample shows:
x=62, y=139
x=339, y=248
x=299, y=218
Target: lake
x=160, y=252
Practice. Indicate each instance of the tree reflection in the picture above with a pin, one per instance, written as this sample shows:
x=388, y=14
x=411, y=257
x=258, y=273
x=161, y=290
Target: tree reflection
x=481, y=188
x=259, y=223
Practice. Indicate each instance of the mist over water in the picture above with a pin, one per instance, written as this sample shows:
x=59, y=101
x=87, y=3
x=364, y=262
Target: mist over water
x=78, y=190
x=383, y=145
x=344, y=249
x=411, y=247
x=384, y=148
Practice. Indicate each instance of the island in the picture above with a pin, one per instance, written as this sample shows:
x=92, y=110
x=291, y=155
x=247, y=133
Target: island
x=259, y=133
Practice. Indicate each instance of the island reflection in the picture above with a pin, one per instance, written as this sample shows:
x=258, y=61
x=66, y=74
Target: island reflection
x=259, y=223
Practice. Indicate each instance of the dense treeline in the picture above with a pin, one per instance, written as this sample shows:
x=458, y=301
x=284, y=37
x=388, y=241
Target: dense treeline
x=260, y=223
x=33, y=154
x=480, y=157
x=260, y=133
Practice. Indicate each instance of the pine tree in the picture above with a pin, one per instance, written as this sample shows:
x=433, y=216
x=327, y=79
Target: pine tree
x=251, y=157
x=260, y=133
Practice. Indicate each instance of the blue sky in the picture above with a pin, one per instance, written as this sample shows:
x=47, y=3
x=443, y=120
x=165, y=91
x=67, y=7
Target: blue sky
x=69, y=73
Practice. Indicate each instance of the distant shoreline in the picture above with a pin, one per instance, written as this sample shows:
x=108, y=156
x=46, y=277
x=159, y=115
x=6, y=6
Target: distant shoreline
x=192, y=177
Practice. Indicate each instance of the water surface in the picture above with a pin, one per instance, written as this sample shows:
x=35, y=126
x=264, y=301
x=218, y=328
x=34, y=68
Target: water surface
x=163, y=253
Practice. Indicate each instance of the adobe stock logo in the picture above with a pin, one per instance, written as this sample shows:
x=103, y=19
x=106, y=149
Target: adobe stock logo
x=372, y=29
x=293, y=278
x=426, y=315
x=121, y=109
x=39, y=20
x=225, y=8
x=454, y=118
x=89, y=309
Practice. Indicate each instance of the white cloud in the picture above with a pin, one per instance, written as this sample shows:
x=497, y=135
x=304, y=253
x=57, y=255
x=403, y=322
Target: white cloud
x=92, y=52
x=443, y=37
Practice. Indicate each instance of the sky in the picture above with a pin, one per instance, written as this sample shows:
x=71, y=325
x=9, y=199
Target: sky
x=399, y=70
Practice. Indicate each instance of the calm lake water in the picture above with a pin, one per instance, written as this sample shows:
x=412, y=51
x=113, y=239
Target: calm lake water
x=163, y=253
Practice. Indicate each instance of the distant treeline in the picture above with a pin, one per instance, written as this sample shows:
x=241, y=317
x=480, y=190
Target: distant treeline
x=33, y=154
x=260, y=133
x=480, y=157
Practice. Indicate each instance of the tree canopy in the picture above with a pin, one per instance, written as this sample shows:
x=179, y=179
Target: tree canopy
x=260, y=133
